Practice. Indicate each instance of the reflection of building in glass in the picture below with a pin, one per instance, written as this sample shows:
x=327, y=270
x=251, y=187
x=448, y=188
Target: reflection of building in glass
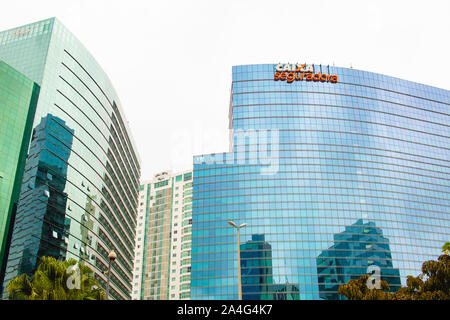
x=83, y=205
x=286, y=292
x=87, y=222
x=256, y=272
x=361, y=245
x=45, y=231
x=256, y=269
x=18, y=99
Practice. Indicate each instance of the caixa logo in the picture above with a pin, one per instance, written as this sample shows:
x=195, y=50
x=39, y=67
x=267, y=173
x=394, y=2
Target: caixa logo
x=299, y=72
x=294, y=67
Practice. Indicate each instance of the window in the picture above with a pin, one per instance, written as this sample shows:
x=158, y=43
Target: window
x=185, y=286
x=185, y=295
x=161, y=184
x=185, y=278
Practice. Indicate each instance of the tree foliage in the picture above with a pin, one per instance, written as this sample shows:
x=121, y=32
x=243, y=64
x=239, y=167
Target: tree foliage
x=357, y=289
x=432, y=284
x=436, y=285
x=56, y=280
x=446, y=248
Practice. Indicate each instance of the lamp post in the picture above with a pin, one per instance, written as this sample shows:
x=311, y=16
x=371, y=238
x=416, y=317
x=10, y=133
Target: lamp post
x=239, y=255
x=112, y=256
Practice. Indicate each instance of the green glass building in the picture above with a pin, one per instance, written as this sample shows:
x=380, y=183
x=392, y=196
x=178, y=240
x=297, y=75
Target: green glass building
x=80, y=185
x=18, y=99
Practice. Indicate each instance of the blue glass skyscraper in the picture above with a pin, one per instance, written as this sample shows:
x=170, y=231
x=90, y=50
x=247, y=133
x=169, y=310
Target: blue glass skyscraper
x=340, y=170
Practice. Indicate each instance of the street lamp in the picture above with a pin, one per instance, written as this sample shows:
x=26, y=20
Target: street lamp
x=239, y=255
x=112, y=256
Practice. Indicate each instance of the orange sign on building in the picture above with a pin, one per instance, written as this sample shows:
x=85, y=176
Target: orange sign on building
x=297, y=72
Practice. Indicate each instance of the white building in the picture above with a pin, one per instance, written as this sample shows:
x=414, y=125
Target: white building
x=162, y=266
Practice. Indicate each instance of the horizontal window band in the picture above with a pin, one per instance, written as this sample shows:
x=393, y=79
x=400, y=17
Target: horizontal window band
x=350, y=84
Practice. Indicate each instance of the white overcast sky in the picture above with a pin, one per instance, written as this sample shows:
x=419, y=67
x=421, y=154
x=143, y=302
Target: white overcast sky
x=170, y=61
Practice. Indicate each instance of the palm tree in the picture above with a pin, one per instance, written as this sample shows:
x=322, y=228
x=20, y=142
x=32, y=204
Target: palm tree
x=446, y=248
x=20, y=288
x=57, y=280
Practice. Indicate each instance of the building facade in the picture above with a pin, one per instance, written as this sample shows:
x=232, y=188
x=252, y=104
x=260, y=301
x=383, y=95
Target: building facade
x=342, y=171
x=18, y=99
x=80, y=186
x=256, y=269
x=163, y=238
x=356, y=248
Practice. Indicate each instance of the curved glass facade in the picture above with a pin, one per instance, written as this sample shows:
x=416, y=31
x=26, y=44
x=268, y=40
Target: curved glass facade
x=81, y=181
x=18, y=99
x=334, y=179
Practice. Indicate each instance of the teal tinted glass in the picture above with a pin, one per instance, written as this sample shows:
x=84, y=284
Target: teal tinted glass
x=18, y=98
x=79, y=193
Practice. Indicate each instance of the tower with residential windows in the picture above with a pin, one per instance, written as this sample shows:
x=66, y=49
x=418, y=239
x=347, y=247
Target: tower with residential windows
x=163, y=238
